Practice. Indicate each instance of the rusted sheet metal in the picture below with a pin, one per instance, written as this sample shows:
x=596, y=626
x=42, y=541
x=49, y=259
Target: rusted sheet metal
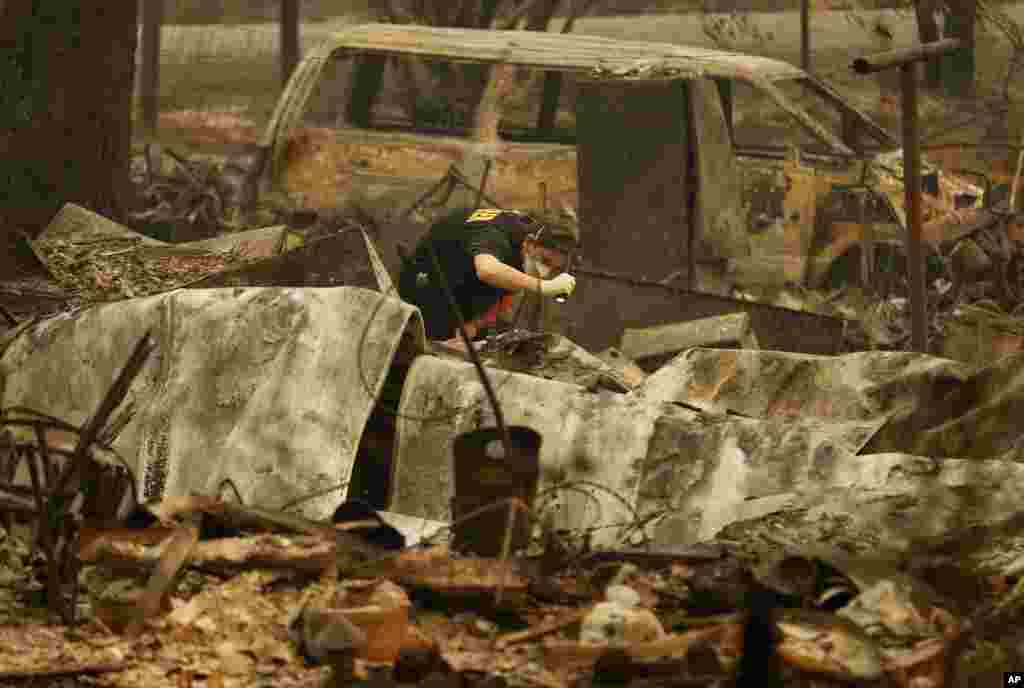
x=347, y=259
x=604, y=305
x=586, y=436
x=717, y=218
x=725, y=331
x=625, y=225
x=808, y=457
x=937, y=209
x=870, y=387
x=274, y=382
x=801, y=216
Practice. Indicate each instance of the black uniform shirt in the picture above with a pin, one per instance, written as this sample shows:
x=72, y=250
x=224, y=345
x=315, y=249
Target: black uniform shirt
x=457, y=239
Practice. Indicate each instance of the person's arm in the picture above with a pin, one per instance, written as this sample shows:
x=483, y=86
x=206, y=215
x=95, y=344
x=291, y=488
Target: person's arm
x=492, y=271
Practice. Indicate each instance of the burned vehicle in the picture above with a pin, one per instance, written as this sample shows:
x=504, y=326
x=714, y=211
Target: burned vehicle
x=689, y=166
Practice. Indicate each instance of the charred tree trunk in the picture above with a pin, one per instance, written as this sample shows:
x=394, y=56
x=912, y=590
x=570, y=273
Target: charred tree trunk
x=289, y=38
x=149, y=72
x=489, y=12
x=488, y=111
x=959, y=68
x=547, y=119
x=541, y=15
x=928, y=32
x=538, y=20
x=64, y=137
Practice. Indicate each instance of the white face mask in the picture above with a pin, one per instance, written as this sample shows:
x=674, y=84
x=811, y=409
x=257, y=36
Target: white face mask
x=535, y=267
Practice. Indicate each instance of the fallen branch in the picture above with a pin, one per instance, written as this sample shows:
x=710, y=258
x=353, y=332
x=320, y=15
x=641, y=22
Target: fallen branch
x=83, y=669
x=10, y=501
x=351, y=550
x=674, y=645
x=175, y=556
x=541, y=630
x=303, y=553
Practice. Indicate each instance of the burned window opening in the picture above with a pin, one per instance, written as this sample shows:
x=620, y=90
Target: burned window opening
x=438, y=97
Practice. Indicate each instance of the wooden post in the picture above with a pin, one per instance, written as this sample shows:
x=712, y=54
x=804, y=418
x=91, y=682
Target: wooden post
x=289, y=38
x=149, y=67
x=906, y=59
x=805, y=35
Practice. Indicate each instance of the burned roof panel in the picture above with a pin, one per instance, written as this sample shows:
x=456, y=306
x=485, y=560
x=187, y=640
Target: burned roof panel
x=559, y=52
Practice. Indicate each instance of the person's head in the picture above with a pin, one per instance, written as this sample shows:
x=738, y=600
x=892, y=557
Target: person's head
x=552, y=237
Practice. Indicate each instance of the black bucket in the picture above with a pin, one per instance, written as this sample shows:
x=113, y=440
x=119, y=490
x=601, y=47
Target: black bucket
x=485, y=475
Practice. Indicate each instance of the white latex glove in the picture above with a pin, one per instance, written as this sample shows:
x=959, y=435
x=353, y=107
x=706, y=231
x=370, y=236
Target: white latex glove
x=563, y=284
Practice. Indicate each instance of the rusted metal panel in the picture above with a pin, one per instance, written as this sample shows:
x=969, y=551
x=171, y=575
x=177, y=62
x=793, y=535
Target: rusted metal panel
x=347, y=259
x=629, y=133
x=603, y=307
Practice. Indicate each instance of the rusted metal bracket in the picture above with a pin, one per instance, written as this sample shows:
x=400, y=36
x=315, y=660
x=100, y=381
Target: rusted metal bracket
x=905, y=60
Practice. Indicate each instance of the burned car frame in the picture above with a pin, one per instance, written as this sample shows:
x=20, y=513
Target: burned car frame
x=801, y=208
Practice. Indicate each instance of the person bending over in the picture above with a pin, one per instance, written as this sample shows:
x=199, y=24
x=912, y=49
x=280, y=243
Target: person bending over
x=486, y=256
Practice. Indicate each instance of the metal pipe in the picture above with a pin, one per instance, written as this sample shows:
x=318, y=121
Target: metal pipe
x=898, y=58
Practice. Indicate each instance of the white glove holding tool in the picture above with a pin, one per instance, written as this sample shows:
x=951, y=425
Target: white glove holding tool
x=557, y=286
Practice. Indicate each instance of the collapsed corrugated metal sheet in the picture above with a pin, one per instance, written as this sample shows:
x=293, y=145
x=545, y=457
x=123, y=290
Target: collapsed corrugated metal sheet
x=865, y=386
x=922, y=404
x=611, y=440
x=591, y=437
x=261, y=386
x=940, y=453
x=826, y=456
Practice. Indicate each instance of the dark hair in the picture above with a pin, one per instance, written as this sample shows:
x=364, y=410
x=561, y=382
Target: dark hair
x=549, y=229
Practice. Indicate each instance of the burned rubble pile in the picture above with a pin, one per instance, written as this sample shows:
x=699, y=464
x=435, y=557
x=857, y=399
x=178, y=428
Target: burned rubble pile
x=975, y=287
x=283, y=483
x=732, y=511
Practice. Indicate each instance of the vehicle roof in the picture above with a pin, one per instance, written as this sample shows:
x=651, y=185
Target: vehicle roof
x=606, y=57
x=596, y=57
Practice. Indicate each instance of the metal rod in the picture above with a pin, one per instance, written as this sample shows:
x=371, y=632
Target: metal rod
x=805, y=35
x=11, y=320
x=912, y=192
x=898, y=58
x=485, y=380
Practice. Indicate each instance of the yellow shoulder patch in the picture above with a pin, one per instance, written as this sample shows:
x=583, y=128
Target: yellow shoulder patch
x=484, y=215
